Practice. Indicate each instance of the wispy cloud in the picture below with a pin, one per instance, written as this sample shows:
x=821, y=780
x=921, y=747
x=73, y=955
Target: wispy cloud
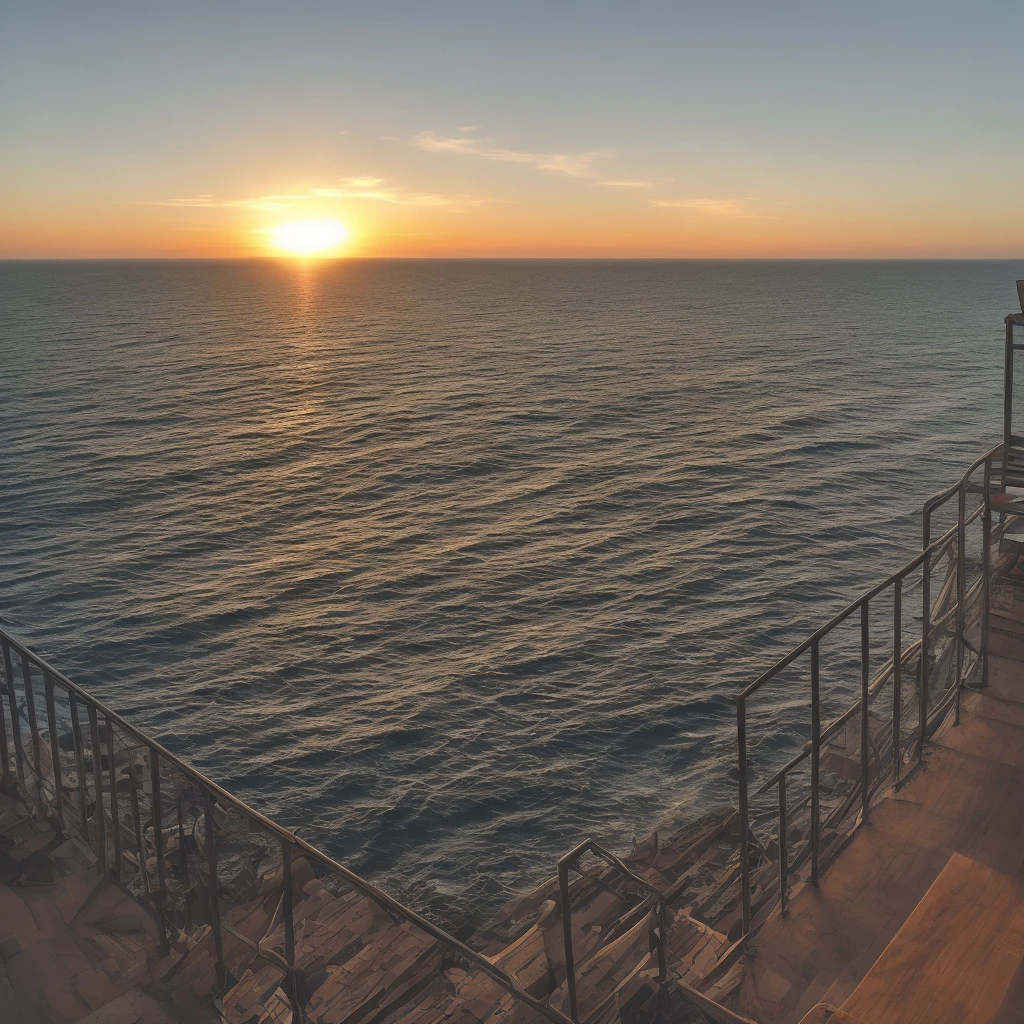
x=575, y=165
x=275, y=202
x=369, y=188
x=718, y=207
x=627, y=184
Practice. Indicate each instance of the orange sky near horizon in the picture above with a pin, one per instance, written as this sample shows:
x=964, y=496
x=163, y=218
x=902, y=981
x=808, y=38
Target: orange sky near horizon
x=542, y=131
x=506, y=230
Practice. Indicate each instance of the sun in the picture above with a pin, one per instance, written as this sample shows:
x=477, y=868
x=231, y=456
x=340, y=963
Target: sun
x=309, y=237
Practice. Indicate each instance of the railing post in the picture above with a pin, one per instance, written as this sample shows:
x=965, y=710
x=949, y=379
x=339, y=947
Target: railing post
x=51, y=726
x=115, y=812
x=783, y=845
x=158, y=846
x=897, y=680
x=865, y=725
x=209, y=828
x=926, y=625
x=741, y=741
x=33, y=725
x=1007, y=398
x=12, y=701
x=570, y=963
x=76, y=736
x=5, y=753
x=662, y=941
x=986, y=570
x=97, y=778
x=140, y=844
x=960, y=592
x=289, y=930
x=815, y=762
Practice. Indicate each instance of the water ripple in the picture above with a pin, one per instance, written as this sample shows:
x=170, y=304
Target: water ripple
x=447, y=564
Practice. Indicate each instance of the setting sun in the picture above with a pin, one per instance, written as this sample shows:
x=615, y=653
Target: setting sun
x=308, y=237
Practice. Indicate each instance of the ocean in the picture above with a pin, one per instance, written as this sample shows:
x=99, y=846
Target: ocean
x=449, y=564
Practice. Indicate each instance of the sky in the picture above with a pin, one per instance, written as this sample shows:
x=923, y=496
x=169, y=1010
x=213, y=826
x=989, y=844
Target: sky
x=715, y=129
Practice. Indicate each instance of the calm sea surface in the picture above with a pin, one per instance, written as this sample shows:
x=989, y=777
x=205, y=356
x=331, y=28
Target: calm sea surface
x=446, y=564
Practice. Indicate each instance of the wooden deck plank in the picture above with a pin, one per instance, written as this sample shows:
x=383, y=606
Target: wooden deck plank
x=952, y=961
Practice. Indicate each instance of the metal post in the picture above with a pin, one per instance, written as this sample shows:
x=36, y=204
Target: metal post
x=51, y=726
x=926, y=625
x=97, y=778
x=12, y=701
x=783, y=845
x=211, y=861
x=570, y=963
x=961, y=533
x=33, y=726
x=158, y=844
x=76, y=735
x=140, y=845
x=815, y=761
x=986, y=570
x=1007, y=399
x=741, y=739
x=663, y=955
x=662, y=940
x=897, y=680
x=5, y=753
x=865, y=725
x=115, y=814
x=289, y=931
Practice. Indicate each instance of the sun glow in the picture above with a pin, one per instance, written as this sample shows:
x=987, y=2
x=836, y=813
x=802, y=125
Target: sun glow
x=310, y=237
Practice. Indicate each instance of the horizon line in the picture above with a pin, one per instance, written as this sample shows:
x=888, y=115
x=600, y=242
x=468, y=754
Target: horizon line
x=509, y=259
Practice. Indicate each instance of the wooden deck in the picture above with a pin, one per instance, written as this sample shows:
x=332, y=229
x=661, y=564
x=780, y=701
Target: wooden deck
x=74, y=948
x=966, y=799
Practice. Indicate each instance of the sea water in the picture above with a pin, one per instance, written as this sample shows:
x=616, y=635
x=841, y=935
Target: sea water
x=448, y=564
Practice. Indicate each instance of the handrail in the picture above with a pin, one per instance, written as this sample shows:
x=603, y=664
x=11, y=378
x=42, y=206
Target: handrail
x=939, y=497
x=287, y=838
x=956, y=597
x=827, y=731
x=840, y=617
x=655, y=895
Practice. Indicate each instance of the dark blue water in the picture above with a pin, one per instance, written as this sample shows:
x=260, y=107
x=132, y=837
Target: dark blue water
x=446, y=564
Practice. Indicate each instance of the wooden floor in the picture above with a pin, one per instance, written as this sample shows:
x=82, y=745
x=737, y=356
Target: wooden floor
x=74, y=949
x=968, y=799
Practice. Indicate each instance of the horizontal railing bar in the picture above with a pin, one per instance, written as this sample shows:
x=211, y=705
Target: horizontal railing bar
x=773, y=780
x=368, y=889
x=942, y=496
x=577, y=851
x=839, y=618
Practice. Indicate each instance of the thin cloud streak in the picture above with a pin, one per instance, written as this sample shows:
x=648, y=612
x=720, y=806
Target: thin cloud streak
x=574, y=165
x=350, y=188
x=627, y=184
x=716, y=207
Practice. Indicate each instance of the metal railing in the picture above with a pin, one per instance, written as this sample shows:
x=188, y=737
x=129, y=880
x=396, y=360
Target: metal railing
x=200, y=860
x=654, y=900
x=935, y=662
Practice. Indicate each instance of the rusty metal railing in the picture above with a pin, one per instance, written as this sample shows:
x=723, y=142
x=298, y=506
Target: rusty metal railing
x=937, y=663
x=197, y=857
